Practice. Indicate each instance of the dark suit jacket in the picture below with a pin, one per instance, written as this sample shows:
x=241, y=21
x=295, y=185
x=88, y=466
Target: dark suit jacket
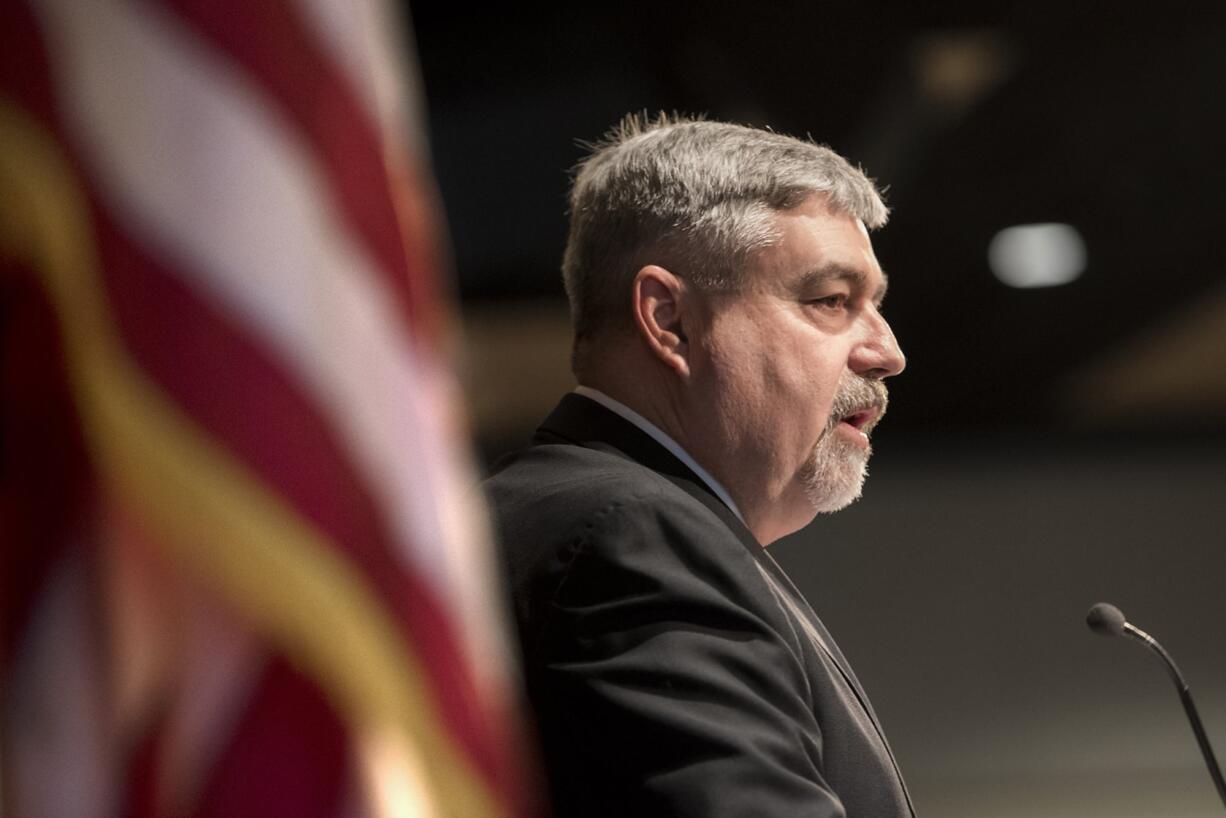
x=672, y=667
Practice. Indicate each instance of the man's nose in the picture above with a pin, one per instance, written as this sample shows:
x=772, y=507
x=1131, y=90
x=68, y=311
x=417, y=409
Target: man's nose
x=878, y=354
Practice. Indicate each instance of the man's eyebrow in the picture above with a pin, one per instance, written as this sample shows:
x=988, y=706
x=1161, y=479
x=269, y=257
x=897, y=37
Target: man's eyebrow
x=828, y=272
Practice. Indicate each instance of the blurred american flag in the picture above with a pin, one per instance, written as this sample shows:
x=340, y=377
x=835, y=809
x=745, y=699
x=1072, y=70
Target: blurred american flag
x=242, y=574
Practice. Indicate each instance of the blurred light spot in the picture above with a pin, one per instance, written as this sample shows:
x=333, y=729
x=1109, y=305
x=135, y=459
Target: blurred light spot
x=1037, y=255
x=955, y=69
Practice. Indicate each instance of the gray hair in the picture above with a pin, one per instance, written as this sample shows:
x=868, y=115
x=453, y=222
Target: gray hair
x=694, y=196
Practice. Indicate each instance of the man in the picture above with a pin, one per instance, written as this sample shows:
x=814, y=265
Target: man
x=730, y=353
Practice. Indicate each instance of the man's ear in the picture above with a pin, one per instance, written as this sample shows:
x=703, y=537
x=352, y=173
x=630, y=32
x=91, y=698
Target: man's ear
x=661, y=316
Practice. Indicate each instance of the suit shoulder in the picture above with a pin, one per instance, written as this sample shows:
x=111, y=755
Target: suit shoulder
x=563, y=512
x=560, y=483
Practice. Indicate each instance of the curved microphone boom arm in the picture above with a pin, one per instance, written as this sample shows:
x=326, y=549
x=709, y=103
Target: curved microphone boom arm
x=1107, y=620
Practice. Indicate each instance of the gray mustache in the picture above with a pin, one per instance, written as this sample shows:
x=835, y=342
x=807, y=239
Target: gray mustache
x=857, y=393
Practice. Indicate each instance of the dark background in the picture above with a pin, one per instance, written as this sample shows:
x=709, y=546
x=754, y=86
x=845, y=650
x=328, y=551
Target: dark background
x=1046, y=448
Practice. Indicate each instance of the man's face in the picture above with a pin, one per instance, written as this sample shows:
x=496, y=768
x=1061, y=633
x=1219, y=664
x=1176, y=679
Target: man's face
x=790, y=368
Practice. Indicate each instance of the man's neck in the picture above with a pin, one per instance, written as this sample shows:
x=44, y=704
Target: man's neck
x=668, y=441
x=653, y=399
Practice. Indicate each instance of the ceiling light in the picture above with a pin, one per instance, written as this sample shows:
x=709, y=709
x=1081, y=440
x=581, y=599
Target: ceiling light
x=1037, y=255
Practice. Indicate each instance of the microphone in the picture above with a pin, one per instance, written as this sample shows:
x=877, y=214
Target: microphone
x=1107, y=620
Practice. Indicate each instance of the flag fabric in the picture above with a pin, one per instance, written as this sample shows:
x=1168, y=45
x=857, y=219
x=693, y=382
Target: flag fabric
x=243, y=573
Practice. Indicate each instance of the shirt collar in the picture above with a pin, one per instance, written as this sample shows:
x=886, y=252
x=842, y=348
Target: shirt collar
x=663, y=439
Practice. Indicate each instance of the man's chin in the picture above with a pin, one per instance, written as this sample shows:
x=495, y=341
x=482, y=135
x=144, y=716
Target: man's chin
x=836, y=482
x=831, y=504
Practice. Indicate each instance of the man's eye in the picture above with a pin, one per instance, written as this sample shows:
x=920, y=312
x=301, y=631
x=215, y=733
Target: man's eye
x=837, y=301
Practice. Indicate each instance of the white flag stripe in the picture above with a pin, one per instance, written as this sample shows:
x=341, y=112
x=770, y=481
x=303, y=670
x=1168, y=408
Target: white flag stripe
x=199, y=168
x=219, y=669
x=362, y=37
x=56, y=710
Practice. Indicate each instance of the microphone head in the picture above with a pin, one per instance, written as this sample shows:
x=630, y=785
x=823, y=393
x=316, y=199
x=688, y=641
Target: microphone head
x=1106, y=620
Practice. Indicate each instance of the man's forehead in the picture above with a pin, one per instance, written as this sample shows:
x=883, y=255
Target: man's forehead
x=816, y=244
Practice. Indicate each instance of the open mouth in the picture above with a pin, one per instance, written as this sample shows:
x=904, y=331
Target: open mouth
x=862, y=419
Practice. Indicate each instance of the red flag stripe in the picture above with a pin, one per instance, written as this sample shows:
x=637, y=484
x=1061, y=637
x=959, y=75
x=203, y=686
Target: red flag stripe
x=25, y=73
x=43, y=462
x=292, y=736
x=268, y=40
x=51, y=486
